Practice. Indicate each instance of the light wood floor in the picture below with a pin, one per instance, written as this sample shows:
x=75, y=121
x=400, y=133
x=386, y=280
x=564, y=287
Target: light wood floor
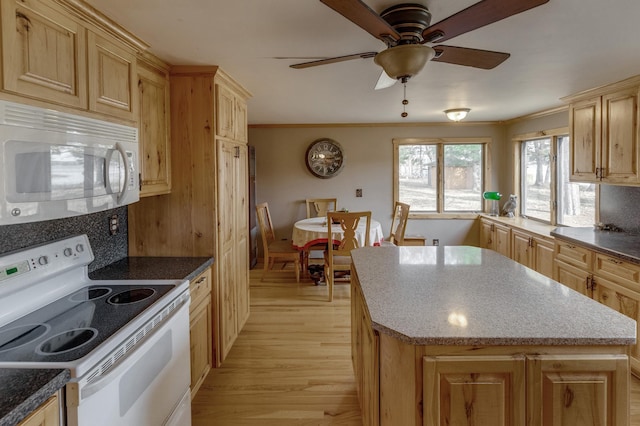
x=291, y=364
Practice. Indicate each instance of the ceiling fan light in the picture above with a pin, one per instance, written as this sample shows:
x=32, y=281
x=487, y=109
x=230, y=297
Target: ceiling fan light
x=457, y=114
x=405, y=60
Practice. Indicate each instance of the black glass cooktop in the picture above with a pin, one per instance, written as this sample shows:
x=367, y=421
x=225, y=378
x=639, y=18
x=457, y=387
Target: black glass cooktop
x=71, y=327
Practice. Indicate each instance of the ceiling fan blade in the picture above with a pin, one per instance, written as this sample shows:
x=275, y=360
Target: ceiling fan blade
x=384, y=81
x=478, y=15
x=361, y=15
x=326, y=61
x=485, y=59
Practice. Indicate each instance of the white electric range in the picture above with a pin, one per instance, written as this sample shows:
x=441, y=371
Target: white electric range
x=126, y=343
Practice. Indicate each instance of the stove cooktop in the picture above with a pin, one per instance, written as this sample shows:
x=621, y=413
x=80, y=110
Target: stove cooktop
x=71, y=327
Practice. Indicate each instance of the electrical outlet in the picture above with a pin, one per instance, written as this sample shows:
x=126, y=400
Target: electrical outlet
x=359, y=192
x=436, y=242
x=114, y=224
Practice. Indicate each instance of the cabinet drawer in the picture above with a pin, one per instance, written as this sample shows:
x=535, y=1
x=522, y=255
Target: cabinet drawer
x=200, y=288
x=574, y=255
x=617, y=270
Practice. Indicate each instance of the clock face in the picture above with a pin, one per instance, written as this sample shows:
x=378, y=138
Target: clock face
x=325, y=158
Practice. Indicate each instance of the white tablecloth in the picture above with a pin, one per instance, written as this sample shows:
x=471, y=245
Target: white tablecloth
x=307, y=232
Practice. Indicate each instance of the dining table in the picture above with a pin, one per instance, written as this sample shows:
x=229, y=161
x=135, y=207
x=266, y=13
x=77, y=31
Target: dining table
x=312, y=231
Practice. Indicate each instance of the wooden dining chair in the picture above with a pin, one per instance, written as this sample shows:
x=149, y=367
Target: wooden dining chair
x=398, y=225
x=338, y=257
x=275, y=251
x=317, y=207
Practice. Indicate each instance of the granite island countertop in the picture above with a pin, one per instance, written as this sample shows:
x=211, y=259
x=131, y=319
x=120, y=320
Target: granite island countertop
x=461, y=295
x=23, y=390
x=621, y=244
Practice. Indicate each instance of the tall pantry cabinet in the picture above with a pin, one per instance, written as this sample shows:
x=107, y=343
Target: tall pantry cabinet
x=206, y=213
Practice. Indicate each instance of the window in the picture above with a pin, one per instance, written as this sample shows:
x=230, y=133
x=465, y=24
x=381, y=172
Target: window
x=546, y=193
x=440, y=175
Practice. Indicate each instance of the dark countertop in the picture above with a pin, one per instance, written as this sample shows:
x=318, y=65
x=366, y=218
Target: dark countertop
x=23, y=390
x=153, y=268
x=621, y=244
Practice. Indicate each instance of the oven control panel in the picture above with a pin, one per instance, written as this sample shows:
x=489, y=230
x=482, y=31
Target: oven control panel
x=45, y=259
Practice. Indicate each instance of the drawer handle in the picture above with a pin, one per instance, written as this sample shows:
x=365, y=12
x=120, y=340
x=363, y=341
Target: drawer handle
x=617, y=262
x=570, y=246
x=200, y=280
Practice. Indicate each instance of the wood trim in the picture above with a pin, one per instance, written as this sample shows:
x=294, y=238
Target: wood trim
x=534, y=115
x=194, y=70
x=603, y=90
x=541, y=134
x=94, y=17
x=339, y=125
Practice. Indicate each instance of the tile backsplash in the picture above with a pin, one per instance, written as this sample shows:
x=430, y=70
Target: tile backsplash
x=106, y=248
x=620, y=206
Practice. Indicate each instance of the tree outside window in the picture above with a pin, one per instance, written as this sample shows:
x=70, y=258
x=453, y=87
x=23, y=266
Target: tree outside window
x=439, y=175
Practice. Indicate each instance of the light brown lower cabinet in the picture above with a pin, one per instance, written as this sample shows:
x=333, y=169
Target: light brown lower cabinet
x=532, y=251
x=48, y=414
x=200, y=329
x=404, y=384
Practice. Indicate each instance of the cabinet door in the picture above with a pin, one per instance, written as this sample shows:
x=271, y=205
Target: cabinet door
x=200, y=334
x=241, y=217
x=574, y=278
x=474, y=390
x=502, y=236
x=544, y=256
x=48, y=414
x=112, y=70
x=623, y=300
x=586, y=135
x=225, y=111
x=241, y=120
x=43, y=53
x=578, y=390
x=620, y=271
x=486, y=234
x=522, y=248
x=153, y=122
x=620, y=137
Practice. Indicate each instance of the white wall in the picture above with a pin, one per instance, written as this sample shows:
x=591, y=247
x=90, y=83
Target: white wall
x=283, y=180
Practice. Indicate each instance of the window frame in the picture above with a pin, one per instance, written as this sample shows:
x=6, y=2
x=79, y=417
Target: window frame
x=440, y=143
x=518, y=144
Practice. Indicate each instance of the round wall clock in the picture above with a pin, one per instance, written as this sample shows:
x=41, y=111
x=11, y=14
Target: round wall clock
x=325, y=158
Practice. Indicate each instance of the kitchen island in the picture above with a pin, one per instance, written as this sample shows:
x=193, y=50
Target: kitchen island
x=463, y=335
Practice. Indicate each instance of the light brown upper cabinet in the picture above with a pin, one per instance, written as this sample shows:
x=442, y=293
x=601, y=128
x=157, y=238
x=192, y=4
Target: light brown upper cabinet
x=43, y=53
x=604, y=134
x=153, y=122
x=231, y=110
x=63, y=53
x=112, y=70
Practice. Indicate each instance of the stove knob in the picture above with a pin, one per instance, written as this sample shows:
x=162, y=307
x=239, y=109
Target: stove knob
x=79, y=248
x=67, y=252
x=43, y=260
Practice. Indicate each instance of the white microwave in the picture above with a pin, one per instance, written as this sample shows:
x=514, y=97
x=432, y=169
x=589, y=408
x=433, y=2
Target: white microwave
x=55, y=165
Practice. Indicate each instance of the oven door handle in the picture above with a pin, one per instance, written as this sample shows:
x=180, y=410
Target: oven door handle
x=139, y=350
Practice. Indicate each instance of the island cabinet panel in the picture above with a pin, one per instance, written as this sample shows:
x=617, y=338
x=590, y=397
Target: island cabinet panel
x=578, y=390
x=43, y=53
x=364, y=355
x=463, y=390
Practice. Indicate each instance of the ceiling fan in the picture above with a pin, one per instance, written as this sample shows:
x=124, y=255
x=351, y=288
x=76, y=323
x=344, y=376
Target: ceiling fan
x=406, y=29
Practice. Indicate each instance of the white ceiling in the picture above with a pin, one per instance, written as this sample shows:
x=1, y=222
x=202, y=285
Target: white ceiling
x=559, y=48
